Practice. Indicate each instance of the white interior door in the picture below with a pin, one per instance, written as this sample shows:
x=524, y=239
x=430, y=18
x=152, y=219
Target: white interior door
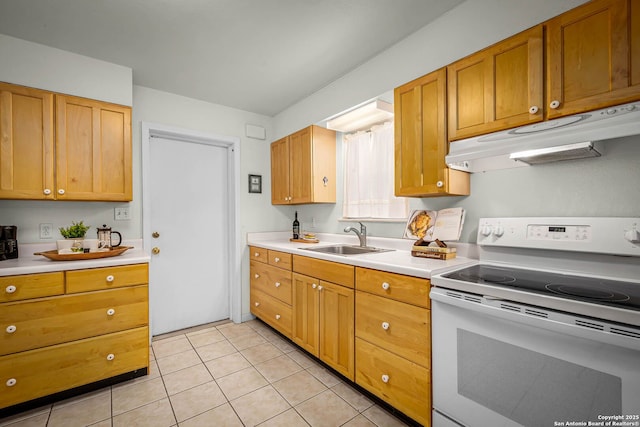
x=189, y=213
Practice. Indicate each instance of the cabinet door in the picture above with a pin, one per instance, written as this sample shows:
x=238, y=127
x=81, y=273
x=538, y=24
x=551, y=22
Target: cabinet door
x=300, y=166
x=26, y=143
x=421, y=140
x=337, y=337
x=592, y=57
x=497, y=88
x=305, y=313
x=93, y=150
x=280, y=172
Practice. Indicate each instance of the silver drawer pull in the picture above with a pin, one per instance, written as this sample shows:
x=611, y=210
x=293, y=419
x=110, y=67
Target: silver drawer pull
x=277, y=259
x=111, y=312
x=385, y=286
x=110, y=278
x=385, y=379
x=385, y=325
x=111, y=356
x=10, y=289
x=11, y=329
x=11, y=382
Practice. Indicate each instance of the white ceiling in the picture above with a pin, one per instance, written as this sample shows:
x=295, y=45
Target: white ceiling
x=256, y=55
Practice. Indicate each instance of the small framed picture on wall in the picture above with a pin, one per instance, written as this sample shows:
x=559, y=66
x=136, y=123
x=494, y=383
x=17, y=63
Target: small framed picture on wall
x=255, y=183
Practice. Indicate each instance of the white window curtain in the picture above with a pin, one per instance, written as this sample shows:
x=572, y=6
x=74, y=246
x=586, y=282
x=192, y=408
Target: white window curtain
x=369, y=177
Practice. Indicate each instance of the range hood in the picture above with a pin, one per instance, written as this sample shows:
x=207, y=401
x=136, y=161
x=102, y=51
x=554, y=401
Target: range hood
x=564, y=138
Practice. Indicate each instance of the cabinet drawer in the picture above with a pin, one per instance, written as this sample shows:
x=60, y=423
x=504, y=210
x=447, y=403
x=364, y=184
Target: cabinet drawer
x=15, y=288
x=258, y=254
x=272, y=311
x=271, y=280
x=401, y=383
x=280, y=259
x=44, y=371
x=400, y=328
x=55, y=320
x=333, y=272
x=412, y=290
x=107, y=278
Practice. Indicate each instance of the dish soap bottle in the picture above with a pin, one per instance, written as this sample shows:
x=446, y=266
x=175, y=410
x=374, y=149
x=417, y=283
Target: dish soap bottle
x=296, y=227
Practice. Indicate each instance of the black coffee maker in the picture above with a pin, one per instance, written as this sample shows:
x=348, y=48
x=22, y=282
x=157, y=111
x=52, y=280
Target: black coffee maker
x=8, y=242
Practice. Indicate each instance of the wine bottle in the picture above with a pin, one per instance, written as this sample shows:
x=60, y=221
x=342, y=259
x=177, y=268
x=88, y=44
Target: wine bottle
x=296, y=227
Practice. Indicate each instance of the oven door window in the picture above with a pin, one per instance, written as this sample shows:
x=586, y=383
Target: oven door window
x=497, y=371
x=530, y=387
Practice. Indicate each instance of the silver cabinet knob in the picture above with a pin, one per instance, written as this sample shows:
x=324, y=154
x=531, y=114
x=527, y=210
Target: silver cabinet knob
x=533, y=109
x=11, y=382
x=11, y=329
x=385, y=325
x=385, y=286
x=554, y=104
x=385, y=379
x=10, y=289
x=439, y=184
x=111, y=312
x=110, y=278
x=47, y=191
x=61, y=191
x=111, y=356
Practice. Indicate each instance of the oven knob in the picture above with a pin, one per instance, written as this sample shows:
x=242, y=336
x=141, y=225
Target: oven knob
x=632, y=235
x=486, y=230
x=498, y=231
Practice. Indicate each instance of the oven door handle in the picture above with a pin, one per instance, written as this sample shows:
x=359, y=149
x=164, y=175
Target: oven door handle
x=536, y=317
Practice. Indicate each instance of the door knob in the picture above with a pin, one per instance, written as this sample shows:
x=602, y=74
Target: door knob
x=155, y=235
x=155, y=250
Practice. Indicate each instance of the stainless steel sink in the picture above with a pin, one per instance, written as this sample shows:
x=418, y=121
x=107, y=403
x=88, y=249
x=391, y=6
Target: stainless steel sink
x=347, y=250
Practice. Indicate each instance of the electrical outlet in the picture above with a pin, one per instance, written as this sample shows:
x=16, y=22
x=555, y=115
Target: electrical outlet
x=121, y=214
x=46, y=231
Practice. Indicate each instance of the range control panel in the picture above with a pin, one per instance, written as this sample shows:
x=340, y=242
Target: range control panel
x=616, y=236
x=578, y=233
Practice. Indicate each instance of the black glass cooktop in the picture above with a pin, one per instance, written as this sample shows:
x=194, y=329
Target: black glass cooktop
x=594, y=290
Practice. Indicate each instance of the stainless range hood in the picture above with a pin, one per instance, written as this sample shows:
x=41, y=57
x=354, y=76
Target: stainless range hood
x=565, y=138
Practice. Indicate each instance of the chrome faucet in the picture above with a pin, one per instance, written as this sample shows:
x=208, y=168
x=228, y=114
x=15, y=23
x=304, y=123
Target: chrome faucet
x=362, y=234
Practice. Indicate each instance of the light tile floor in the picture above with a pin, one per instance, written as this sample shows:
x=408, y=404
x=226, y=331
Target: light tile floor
x=216, y=376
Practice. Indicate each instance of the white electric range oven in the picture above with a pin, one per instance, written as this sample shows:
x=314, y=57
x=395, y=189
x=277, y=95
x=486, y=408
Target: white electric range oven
x=544, y=330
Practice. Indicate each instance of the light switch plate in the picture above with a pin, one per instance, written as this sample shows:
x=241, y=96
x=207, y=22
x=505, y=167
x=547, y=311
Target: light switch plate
x=121, y=214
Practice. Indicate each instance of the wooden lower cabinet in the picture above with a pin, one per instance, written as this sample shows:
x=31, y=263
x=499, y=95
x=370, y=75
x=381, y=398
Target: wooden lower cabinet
x=272, y=311
x=393, y=340
x=370, y=326
x=270, y=283
x=69, y=329
x=403, y=384
x=323, y=321
x=37, y=373
x=398, y=327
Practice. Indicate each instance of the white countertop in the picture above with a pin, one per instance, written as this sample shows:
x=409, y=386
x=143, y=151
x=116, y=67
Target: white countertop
x=28, y=263
x=397, y=261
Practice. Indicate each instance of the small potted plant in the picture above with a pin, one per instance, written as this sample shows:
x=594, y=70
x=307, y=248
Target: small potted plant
x=73, y=235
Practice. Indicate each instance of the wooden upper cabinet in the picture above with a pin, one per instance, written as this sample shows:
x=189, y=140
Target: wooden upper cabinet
x=59, y=147
x=593, y=57
x=303, y=167
x=93, y=150
x=497, y=88
x=26, y=143
x=280, y=172
x=421, y=140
